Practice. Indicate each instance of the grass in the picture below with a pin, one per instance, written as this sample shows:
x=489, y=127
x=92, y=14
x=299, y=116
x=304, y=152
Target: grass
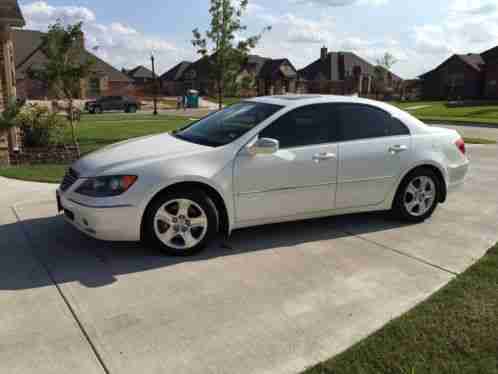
x=478, y=141
x=94, y=132
x=454, y=332
x=47, y=173
x=227, y=101
x=438, y=111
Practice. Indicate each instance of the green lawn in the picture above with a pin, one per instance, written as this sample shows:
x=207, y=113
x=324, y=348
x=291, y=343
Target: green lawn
x=226, y=100
x=48, y=173
x=97, y=131
x=454, y=332
x=438, y=111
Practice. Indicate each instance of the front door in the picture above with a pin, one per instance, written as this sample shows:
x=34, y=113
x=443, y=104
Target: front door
x=298, y=179
x=373, y=153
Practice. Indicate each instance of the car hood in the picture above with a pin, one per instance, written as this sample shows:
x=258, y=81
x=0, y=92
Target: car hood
x=135, y=152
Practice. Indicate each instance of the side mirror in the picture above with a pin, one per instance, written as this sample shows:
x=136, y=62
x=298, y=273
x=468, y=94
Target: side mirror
x=264, y=146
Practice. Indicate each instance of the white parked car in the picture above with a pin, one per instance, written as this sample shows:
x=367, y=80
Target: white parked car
x=264, y=160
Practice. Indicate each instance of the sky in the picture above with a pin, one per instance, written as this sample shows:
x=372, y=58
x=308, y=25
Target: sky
x=419, y=33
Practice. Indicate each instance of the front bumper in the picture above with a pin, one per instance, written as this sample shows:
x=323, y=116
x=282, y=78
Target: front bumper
x=116, y=223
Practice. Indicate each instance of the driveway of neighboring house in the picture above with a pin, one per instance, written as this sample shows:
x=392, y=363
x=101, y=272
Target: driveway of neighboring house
x=272, y=299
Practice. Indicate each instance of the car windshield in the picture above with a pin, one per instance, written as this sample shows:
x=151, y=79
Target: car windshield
x=227, y=125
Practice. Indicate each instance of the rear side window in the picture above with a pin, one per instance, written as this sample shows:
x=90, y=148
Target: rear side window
x=309, y=125
x=398, y=127
x=364, y=122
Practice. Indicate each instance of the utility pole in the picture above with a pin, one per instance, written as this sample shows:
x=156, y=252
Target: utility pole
x=155, y=83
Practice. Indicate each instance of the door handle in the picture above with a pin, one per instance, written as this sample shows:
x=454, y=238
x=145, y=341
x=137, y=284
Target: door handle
x=398, y=148
x=324, y=156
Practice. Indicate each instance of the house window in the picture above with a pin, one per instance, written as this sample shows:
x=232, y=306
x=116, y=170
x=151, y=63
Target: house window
x=94, y=87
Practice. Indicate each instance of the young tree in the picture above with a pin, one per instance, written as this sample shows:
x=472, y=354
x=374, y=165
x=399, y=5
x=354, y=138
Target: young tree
x=221, y=44
x=384, y=65
x=67, y=65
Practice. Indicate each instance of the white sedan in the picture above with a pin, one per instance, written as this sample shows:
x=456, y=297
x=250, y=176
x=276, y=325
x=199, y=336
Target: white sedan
x=263, y=160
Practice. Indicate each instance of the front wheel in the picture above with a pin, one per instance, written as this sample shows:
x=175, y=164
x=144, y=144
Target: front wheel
x=418, y=196
x=181, y=223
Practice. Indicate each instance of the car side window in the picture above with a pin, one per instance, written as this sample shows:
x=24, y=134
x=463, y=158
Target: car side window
x=398, y=127
x=364, y=122
x=309, y=125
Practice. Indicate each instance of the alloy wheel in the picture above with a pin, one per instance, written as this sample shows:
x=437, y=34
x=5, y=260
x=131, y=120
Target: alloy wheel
x=181, y=224
x=419, y=196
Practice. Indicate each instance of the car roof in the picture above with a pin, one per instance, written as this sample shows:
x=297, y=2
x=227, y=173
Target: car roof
x=300, y=100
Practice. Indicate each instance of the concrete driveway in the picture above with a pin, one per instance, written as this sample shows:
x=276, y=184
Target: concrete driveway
x=273, y=299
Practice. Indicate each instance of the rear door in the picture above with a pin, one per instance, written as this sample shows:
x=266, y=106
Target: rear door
x=375, y=148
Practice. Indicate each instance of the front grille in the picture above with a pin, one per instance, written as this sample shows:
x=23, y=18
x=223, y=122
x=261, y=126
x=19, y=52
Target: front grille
x=69, y=179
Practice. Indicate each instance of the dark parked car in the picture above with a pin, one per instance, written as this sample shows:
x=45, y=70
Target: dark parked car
x=106, y=103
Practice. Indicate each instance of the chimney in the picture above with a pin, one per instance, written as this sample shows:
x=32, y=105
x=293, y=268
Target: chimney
x=80, y=41
x=324, y=53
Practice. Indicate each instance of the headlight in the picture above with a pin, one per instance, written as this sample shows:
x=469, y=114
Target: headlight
x=107, y=186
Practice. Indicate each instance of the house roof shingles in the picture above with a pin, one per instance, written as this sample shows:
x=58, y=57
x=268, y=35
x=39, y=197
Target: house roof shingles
x=176, y=72
x=272, y=67
x=140, y=72
x=474, y=60
x=28, y=54
x=11, y=13
x=329, y=69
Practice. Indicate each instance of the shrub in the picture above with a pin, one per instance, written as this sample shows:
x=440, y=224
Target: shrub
x=40, y=127
x=8, y=116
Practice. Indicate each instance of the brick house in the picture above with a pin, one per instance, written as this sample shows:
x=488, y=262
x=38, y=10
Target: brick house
x=258, y=76
x=10, y=16
x=343, y=73
x=490, y=58
x=105, y=80
x=276, y=77
x=143, y=80
x=459, y=77
x=171, y=82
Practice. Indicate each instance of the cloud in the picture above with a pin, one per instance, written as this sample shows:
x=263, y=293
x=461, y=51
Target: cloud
x=300, y=39
x=116, y=43
x=40, y=14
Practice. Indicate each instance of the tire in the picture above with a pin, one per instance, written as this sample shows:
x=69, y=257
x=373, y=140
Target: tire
x=418, y=196
x=131, y=109
x=97, y=110
x=181, y=232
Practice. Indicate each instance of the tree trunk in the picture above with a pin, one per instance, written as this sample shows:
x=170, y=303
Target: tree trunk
x=73, y=129
x=220, y=95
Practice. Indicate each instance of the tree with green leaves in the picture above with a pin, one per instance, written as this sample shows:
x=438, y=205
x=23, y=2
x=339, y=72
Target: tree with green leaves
x=221, y=45
x=384, y=65
x=66, y=67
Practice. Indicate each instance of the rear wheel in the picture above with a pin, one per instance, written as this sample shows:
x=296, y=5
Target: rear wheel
x=181, y=223
x=97, y=110
x=418, y=196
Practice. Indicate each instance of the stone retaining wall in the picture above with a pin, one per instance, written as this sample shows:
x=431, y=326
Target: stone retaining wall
x=4, y=149
x=63, y=154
